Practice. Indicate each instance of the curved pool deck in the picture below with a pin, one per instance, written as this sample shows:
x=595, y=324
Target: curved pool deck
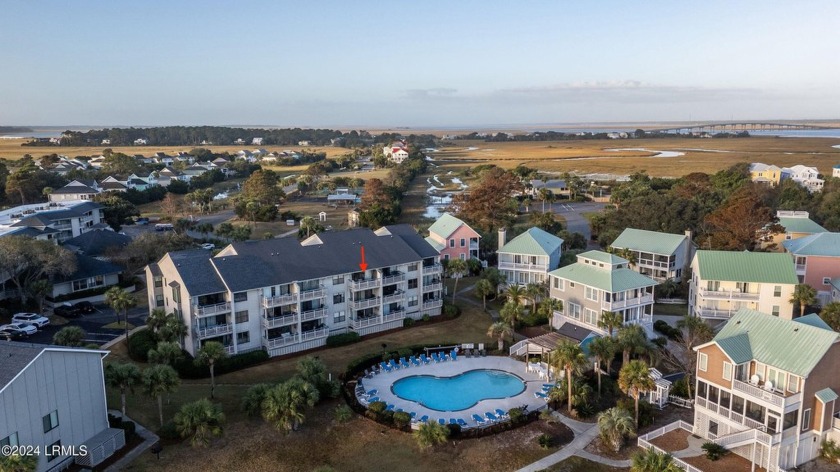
x=382, y=383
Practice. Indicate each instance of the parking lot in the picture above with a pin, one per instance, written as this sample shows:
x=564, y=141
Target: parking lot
x=93, y=325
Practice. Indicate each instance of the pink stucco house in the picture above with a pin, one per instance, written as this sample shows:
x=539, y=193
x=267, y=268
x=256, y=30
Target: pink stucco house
x=817, y=259
x=453, y=238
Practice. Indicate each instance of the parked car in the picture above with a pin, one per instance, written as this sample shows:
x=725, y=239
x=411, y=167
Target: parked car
x=32, y=318
x=66, y=310
x=208, y=246
x=84, y=307
x=142, y=221
x=10, y=333
x=27, y=328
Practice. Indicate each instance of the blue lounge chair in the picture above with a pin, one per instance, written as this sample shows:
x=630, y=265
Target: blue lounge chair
x=424, y=419
x=453, y=421
x=371, y=393
x=541, y=395
x=444, y=356
x=435, y=357
x=403, y=364
x=386, y=367
x=462, y=423
x=374, y=399
x=454, y=356
x=549, y=386
x=389, y=407
x=424, y=359
x=414, y=361
x=478, y=419
x=501, y=413
x=398, y=410
x=413, y=415
x=491, y=417
x=393, y=364
x=442, y=421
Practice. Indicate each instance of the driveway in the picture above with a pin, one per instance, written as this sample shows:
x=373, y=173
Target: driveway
x=92, y=324
x=575, y=221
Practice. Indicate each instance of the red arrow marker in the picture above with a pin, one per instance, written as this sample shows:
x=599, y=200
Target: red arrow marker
x=363, y=264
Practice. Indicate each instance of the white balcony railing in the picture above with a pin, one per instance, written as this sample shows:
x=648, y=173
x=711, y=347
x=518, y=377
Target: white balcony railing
x=714, y=313
x=393, y=279
x=432, y=304
x=432, y=269
x=230, y=349
x=727, y=294
x=315, y=334
x=285, y=340
x=629, y=302
x=800, y=267
x=757, y=392
x=288, y=299
x=275, y=321
x=312, y=314
x=655, y=264
x=520, y=266
x=365, y=284
x=209, y=310
x=473, y=245
x=394, y=297
x=394, y=316
x=313, y=293
x=432, y=287
x=365, y=303
x=211, y=331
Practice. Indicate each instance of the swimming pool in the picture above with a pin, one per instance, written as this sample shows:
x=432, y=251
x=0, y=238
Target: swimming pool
x=458, y=392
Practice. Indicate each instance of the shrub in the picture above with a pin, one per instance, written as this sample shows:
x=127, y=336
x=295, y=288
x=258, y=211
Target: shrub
x=402, y=419
x=430, y=434
x=585, y=410
x=451, y=311
x=253, y=399
x=140, y=344
x=169, y=431
x=646, y=410
x=714, y=451
x=408, y=322
x=343, y=339
x=343, y=413
x=130, y=427
x=680, y=388
x=660, y=341
x=545, y=441
x=516, y=415
x=830, y=451
x=377, y=407
x=454, y=430
x=426, y=317
x=666, y=329
x=187, y=369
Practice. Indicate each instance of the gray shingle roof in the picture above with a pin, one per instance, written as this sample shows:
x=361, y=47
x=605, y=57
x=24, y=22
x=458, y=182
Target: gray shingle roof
x=74, y=189
x=95, y=243
x=14, y=357
x=87, y=266
x=197, y=272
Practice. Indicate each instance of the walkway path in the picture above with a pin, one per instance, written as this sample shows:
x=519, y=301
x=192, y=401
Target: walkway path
x=149, y=439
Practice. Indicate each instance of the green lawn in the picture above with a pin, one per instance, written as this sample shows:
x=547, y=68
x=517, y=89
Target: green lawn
x=670, y=310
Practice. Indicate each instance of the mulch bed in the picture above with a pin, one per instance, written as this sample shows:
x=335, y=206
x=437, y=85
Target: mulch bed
x=599, y=447
x=729, y=463
x=672, y=441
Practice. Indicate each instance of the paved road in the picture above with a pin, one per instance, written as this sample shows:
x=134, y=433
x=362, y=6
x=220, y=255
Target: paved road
x=573, y=213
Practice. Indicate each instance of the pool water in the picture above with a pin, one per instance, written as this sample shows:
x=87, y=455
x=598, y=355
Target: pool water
x=459, y=392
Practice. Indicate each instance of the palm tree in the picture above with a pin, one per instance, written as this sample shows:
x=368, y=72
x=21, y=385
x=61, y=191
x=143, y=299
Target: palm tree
x=633, y=340
x=500, y=331
x=209, y=354
x=71, y=336
x=284, y=404
x=159, y=380
x=614, y=425
x=122, y=376
x=120, y=301
x=634, y=378
x=803, y=295
x=484, y=288
x=515, y=294
x=18, y=463
x=549, y=306
x=431, y=433
x=604, y=350
x=156, y=320
x=693, y=332
x=165, y=352
x=253, y=399
x=568, y=356
x=456, y=268
x=534, y=292
x=511, y=312
x=610, y=320
x=527, y=202
x=628, y=254
x=173, y=329
x=667, y=288
x=831, y=315
x=650, y=460
x=200, y=421
x=308, y=225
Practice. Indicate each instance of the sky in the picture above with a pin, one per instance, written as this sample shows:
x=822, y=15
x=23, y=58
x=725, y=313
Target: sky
x=415, y=63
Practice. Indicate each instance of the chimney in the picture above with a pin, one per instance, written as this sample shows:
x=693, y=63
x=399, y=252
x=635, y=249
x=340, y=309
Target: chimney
x=502, y=238
x=689, y=253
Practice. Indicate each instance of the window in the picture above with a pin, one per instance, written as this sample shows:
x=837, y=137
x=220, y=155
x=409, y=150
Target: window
x=463, y=242
x=338, y=298
x=463, y=257
x=243, y=337
x=775, y=310
x=727, y=371
x=725, y=398
x=790, y=419
x=159, y=300
x=591, y=294
x=241, y=316
x=590, y=317
x=806, y=419
x=738, y=404
x=702, y=389
x=412, y=283
x=713, y=428
x=412, y=267
x=703, y=362
x=574, y=310
x=446, y=257
x=451, y=243
x=10, y=440
x=50, y=421
x=158, y=282
x=826, y=280
x=176, y=294
x=338, y=280
x=412, y=301
x=53, y=451
x=793, y=383
x=777, y=291
x=572, y=284
x=240, y=297
x=338, y=317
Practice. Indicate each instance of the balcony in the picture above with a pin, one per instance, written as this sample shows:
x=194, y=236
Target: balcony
x=432, y=269
x=732, y=415
x=394, y=297
x=521, y=266
x=365, y=303
x=312, y=294
x=393, y=279
x=727, y=295
x=473, y=245
x=230, y=349
x=315, y=334
x=365, y=284
x=312, y=314
x=375, y=320
x=654, y=264
x=611, y=306
x=275, y=321
x=212, y=331
x=284, y=340
x=394, y=316
x=428, y=305
x=756, y=392
x=800, y=268
x=209, y=310
x=288, y=299
x=714, y=313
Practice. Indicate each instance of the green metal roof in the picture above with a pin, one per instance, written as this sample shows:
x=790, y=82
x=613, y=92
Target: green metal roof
x=649, y=241
x=784, y=344
x=604, y=257
x=534, y=242
x=760, y=267
x=602, y=278
x=435, y=244
x=826, y=395
x=813, y=320
x=445, y=225
x=819, y=244
x=800, y=225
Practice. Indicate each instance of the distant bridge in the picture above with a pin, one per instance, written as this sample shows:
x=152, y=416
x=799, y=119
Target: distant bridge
x=739, y=127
